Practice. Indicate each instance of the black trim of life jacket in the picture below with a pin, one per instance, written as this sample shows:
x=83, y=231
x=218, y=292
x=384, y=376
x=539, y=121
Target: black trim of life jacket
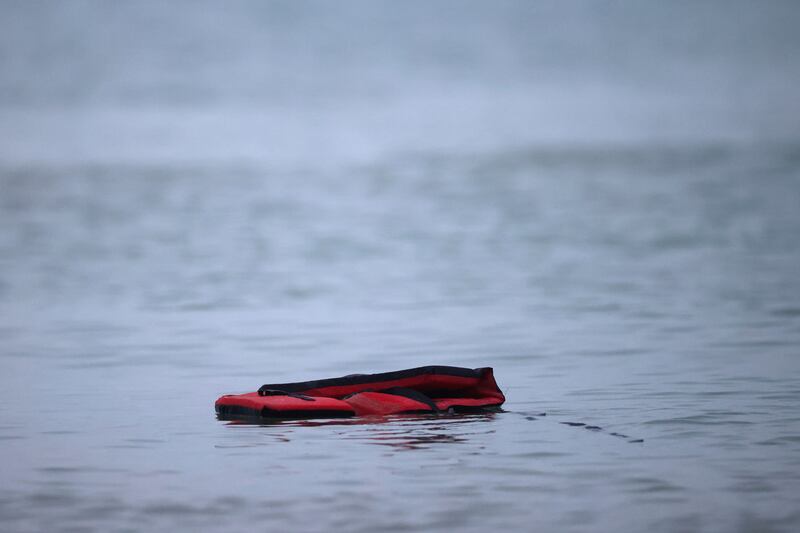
x=363, y=379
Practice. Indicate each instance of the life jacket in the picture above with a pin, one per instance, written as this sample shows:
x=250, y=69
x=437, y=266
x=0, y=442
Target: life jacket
x=427, y=389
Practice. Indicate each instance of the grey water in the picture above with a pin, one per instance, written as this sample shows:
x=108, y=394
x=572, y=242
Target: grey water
x=600, y=200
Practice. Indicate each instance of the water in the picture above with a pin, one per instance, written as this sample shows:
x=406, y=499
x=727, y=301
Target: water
x=600, y=201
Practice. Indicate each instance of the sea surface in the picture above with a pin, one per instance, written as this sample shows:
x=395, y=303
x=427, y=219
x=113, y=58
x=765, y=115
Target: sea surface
x=600, y=200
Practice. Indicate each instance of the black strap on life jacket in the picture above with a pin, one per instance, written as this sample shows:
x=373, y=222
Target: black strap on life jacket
x=275, y=392
x=411, y=394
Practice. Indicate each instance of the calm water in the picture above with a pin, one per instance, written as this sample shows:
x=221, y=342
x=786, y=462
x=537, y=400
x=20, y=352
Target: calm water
x=600, y=201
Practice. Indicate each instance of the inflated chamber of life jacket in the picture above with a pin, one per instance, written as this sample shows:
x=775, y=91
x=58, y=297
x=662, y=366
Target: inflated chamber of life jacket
x=427, y=389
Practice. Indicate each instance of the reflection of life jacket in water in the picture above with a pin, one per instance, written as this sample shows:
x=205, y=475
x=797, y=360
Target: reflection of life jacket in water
x=427, y=389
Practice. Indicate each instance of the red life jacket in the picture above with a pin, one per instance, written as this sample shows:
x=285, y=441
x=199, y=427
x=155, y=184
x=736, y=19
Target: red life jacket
x=427, y=389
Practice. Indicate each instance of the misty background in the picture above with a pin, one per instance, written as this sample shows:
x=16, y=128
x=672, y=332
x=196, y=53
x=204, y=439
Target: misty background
x=315, y=83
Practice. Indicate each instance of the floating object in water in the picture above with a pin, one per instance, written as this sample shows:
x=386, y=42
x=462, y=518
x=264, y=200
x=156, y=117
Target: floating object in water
x=427, y=389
